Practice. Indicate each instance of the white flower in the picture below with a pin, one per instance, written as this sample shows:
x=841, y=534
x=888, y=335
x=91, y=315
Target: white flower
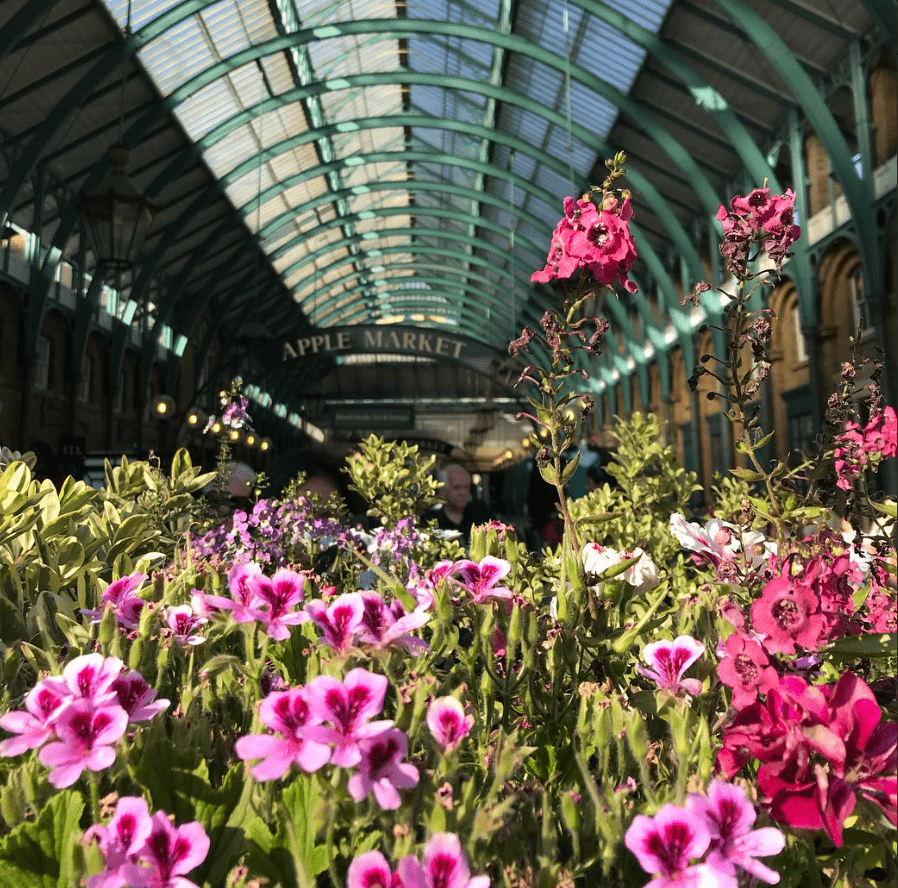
x=644, y=574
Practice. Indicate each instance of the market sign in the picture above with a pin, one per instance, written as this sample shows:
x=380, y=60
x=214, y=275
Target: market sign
x=429, y=343
x=372, y=417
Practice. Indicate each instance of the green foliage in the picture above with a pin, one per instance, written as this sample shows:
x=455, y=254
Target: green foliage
x=651, y=486
x=393, y=477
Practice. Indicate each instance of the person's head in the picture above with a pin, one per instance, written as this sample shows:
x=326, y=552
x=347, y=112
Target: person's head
x=456, y=489
x=239, y=487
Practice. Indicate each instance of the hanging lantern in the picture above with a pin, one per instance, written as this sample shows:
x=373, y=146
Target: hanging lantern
x=116, y=215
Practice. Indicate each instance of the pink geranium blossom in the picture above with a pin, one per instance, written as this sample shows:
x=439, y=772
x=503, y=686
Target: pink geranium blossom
x=122, y=597
x=370, y=870
x=43, y=705
x=137, y=698
x=384, y=626
x=185, y=625
x=243, y=595
x=287, y=713
x=274, y=601
x=447, y=722
x=666, y=843
x=481, y=579
x=86, y=734
x=340, y=621
x=348, y=706
x=91, y=677
x=668, y=660
x=445, y=866
x=735, y=844
x=120, y=841
x=382, y=769
x=170, y=852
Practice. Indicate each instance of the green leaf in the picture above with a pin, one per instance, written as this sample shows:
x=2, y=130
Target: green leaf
x=40, y=853
x=865, y=646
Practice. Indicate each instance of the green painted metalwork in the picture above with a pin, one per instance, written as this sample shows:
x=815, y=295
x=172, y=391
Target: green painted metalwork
x=885, y=14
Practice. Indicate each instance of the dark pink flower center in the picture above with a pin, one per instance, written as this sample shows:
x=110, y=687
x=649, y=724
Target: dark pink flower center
x=786, y=613
x=381, y=754
x=125, y=829
x=747, y=669
x=441, y=869
x=670, y=847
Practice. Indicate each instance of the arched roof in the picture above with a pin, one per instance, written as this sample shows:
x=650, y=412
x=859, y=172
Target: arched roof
x=322, y=163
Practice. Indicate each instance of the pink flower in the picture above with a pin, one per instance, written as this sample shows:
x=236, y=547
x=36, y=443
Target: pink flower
x=746, y=669
x=274, y=599
x=666, y=843
x=384, y=626
x=185, y=625
x=136, y=697
x=729, y=817
x=788, y=614
x=445, y=866
x=243, y=597
x=169, y=854
x=288, y=714
x=43, y=705
x=669, y=660
x=91, y=677
x=591, y=239
x=447, y=722
x=480, y=579
x=369, y=870
x=86, y=733
x=382, y=771
x=341, y=621
x=122, y=596
x=349, y=706
x=121, y=840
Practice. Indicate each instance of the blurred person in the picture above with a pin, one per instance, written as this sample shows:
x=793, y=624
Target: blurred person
x=459, y=510
x=239, y=486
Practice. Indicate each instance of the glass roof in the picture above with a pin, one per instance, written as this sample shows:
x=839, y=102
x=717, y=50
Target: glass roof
x=365, y=154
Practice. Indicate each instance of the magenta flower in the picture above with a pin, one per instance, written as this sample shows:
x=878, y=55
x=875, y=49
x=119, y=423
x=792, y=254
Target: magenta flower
x=746, y=669
x=169, y=854
x=349, y=706
x=275, y=600
x=665, y=844
x=341, y=621
x=730, y=819
x=384, y=626
x=592, y=239
x=124, y=600
x=788, y=614
x=445, y=866
x=185, y=625
x=137, y=698
x=121, y=840
x=669, y=660
x=447, y=722
x=369, y=870
x=288, y=714
x=86, y=733
x=480, y=579
x=43, y=705
x=91, y=677
x=382, y=769
x=243, y=597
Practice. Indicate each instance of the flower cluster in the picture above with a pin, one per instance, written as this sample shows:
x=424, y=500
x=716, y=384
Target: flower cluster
x=759, y=219
x=738, y=555
x=820, y=747
x=444, y=865
x=594, y=239
x=332, y=721
x=77, y=718
x=143, y=850
x=856, y=446
x=122, y=597
x=716, y=829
